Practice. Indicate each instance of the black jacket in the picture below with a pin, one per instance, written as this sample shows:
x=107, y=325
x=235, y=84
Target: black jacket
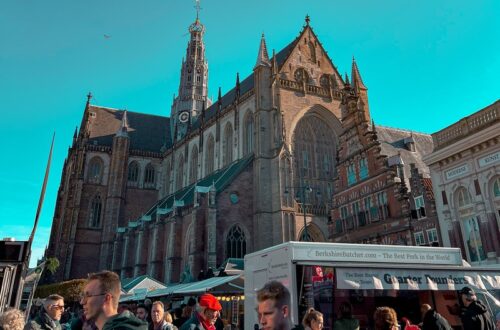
x=477, y=317
x=434, y=321
x=125, y=321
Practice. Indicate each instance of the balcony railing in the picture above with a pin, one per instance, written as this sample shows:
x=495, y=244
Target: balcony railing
x=309, y=89
x=467, y=126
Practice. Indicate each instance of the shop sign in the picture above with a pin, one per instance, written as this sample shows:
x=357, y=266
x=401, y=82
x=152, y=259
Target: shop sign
x=490, y=159
x=413, y=279
x=378, y=254
x=457, y=171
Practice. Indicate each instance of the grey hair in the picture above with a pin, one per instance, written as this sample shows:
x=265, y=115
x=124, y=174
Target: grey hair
x=52, y=299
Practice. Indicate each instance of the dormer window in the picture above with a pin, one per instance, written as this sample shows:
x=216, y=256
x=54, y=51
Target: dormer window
x=410, y=144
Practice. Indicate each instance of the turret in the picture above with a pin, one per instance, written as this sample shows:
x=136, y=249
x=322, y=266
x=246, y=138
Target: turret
x=360, y=90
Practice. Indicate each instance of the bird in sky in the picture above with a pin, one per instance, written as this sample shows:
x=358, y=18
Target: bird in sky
x=106, y=36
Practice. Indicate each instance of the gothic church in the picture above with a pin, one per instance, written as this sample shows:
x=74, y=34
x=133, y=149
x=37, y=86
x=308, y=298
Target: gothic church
x=143, y=194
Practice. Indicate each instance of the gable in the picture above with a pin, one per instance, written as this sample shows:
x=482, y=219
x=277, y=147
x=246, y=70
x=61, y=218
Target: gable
x=307, y=52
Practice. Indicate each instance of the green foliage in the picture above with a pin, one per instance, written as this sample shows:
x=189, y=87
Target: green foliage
x=52, y=264
x=70, y=290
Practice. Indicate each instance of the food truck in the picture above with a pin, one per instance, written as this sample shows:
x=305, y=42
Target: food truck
x=326, y=275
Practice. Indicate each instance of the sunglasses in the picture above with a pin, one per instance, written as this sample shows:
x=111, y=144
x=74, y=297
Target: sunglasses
x=59, y=307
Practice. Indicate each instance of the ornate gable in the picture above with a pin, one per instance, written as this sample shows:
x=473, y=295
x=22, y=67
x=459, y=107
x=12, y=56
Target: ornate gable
x=309, y=63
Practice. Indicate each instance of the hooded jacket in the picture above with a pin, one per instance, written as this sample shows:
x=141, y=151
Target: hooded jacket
x=477, y=317
x=125, y=321
x=434, y=321
x=42, y=322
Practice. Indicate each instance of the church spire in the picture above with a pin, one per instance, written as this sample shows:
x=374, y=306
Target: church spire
x=262, y=57
x=193, y=86
x=357, y=82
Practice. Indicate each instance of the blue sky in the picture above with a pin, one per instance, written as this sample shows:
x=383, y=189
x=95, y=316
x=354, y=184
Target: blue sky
x=426, y=64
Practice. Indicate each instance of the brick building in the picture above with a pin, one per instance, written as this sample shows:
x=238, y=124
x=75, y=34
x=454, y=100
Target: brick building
x=171, y=196
x=465, y=169
x=383, y=192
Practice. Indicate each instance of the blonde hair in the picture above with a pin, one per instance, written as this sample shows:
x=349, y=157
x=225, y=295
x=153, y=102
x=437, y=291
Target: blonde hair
x=168, y=317
x=12, y=319
x=311, y=315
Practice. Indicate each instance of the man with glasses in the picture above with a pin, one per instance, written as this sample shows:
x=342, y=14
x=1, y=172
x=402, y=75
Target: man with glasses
x=100, y=304
x=207, y=312
x=49, y=315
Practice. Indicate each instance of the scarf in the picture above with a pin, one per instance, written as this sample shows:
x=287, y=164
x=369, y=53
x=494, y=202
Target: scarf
x=205, y=323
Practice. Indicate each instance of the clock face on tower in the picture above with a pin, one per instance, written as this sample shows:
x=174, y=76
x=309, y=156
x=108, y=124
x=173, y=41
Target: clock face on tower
x=183, y=116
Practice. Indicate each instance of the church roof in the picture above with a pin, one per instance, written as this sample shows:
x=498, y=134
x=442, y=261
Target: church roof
x=392, y=143
x=219, y=179
x=146, y=132
x=248, y=83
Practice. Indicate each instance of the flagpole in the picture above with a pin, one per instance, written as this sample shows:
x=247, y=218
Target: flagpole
x=35, y=225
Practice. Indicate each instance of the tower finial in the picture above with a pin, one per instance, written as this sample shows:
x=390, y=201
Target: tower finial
x=89, y=97
x=237, y=85
x=308, y=19
x=347, y=79
x=198, y=8
x=262, y=57
x=357, y=82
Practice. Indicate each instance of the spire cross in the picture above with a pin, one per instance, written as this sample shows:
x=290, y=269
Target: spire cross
x=198, y=8
x=308, y=19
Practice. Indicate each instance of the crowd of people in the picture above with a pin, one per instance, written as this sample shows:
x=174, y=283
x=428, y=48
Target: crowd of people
x=274, y=314
x=101, y=311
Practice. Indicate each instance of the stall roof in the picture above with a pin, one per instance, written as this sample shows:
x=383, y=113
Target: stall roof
x=214, y=284
x=144, y=281
x=139, y=294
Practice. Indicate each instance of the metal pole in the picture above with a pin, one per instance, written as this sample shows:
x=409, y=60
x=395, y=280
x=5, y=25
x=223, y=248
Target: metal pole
x=303, y=190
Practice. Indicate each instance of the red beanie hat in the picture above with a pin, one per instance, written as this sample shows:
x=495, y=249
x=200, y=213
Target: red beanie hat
x=209, y=301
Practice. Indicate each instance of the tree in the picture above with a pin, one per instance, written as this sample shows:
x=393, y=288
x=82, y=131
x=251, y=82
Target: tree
x=52, y=264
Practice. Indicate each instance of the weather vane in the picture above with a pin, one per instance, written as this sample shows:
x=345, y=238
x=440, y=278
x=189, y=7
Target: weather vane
x=198, y=8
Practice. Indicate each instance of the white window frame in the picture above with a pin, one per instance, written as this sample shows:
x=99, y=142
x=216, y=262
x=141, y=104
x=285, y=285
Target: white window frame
x=419, y=238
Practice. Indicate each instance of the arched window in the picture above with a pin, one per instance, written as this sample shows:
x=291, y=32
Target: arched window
x=314, y=146
x=463, y=197
x=149, y=176
x=312, y=52
x=227, y=146
x=193, y=167
x=496, y=188
x=209, y=155
x=133, y=173
x=95, y=212
x=179, y=177
x=301, y=76
x=286, y=182
x=248, y=134
x=94, y=174
x=236, y=243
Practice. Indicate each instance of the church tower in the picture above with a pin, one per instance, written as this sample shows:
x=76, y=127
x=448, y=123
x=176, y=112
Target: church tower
x=193, y=87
